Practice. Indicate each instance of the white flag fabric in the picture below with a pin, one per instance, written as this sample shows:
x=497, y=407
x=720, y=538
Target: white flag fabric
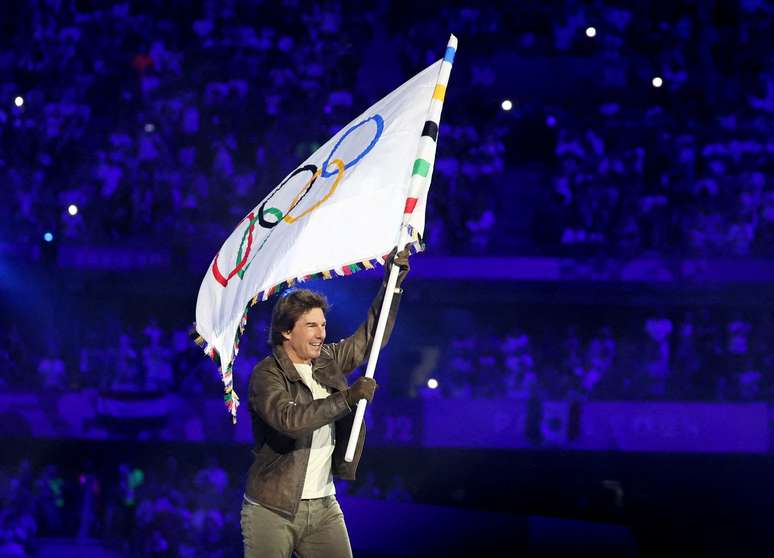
x=339, y=211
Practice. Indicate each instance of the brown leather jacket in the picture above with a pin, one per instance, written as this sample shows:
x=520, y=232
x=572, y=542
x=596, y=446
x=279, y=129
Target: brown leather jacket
x=284, y=414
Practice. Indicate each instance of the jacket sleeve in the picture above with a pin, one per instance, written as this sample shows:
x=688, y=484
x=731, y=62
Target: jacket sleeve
x=351, y=352
x=275, y=406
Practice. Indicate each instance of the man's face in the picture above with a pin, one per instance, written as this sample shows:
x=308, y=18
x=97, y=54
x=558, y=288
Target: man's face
x=303, y=342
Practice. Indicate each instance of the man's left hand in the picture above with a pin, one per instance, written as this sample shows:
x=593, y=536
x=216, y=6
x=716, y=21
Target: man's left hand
x=401, y=259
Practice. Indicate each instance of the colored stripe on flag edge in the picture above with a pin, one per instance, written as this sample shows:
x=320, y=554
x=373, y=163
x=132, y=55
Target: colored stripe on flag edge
x=230, y=397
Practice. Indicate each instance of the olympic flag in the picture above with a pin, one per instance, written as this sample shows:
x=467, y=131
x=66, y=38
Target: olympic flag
x=363, y=192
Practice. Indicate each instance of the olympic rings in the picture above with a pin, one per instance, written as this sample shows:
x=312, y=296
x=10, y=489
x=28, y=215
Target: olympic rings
x=311, y=168
x=249, y=231
x=273, y=210
x=340, y=171
x=243, y=259
x=379, y=129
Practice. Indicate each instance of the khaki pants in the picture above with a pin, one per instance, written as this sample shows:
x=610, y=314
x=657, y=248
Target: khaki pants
x=317, y=531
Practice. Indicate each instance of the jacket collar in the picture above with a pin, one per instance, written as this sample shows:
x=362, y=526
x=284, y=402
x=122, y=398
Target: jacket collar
x=285, y=364
x=290, y=372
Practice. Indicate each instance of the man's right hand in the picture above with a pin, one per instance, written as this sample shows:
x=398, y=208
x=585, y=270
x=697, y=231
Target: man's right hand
x=363, y=388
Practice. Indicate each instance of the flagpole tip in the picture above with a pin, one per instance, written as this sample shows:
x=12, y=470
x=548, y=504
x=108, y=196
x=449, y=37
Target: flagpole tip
x=453, y=41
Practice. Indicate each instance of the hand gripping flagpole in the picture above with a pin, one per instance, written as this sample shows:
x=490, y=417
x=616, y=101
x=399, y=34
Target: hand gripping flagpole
x=418, y=186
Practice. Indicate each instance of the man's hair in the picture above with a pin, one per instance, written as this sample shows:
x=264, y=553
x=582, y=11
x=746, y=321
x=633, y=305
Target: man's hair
x=291, y=306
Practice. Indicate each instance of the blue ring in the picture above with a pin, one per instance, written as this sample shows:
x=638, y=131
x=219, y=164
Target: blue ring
x=379, y=129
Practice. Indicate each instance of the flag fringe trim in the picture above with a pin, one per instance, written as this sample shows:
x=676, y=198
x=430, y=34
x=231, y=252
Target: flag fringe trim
x=230, y=397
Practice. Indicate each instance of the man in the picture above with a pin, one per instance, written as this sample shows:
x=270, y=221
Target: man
x=302, y=412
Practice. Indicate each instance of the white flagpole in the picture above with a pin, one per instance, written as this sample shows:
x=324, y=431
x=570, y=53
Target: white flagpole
x=419, y=184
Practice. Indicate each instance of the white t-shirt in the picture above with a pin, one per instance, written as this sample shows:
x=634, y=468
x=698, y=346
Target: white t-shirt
x=319, y=475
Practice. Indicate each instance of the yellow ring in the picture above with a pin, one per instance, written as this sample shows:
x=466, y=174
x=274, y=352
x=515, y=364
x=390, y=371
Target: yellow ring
x=289, y=218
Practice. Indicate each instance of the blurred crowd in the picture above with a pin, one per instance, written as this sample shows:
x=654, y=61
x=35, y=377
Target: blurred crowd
x=691, y=355
x=169, y=510
x=121, y=359
x=161, y=510
x=164, y=123
x=661, y=192
x=558, y=353
x=170, y=122
x=675, y=158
